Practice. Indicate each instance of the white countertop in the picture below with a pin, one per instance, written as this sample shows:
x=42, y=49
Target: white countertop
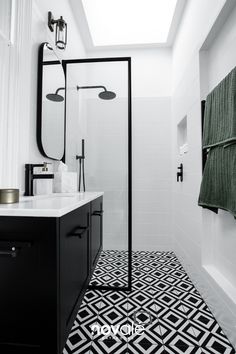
x=52, y=205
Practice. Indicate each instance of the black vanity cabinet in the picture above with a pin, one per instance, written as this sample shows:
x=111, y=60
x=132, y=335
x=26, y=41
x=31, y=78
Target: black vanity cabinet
x=45, y=267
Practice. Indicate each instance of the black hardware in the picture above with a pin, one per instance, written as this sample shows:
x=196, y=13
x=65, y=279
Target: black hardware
x=81, y=166
x=104, y=95
x=50, y=21
x=97, y=213
x=79, y=231
x=204, y=151
x=180, y=173
x=91, y=87
x=30, y=176
x=43, y=176
x=61, y=30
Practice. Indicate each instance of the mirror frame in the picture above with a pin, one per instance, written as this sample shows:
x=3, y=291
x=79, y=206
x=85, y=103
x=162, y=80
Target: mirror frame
x=40, y=100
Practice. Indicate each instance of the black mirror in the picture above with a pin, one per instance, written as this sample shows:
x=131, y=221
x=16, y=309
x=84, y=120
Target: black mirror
x=51, y=104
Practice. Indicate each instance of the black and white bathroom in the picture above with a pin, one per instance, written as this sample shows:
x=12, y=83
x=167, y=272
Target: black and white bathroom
x=117, y=176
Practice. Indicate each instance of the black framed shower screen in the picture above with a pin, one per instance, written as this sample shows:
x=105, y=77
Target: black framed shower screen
x=129, y=160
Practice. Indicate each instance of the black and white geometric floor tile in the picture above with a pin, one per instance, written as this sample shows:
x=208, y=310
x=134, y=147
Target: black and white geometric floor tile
x=111, y=269
x=163, y=300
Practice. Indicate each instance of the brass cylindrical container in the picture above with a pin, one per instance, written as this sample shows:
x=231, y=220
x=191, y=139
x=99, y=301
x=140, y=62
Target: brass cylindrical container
x=9, y=196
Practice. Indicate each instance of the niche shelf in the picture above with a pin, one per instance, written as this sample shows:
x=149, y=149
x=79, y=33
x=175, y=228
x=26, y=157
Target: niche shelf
x=182, y=136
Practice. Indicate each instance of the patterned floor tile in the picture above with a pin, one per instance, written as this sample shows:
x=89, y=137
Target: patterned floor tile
x=177, y=331
x=138, y=300
x=214, y=338
x=108, y=346
x=192, y=300
x=113, y=315
x=85, y=314
x=92, y=297
x=150, y=332
x=181, y=348
x=77, y=346
x=144, y=347
x=83, y=331
x=163, y=300
x=111, y=269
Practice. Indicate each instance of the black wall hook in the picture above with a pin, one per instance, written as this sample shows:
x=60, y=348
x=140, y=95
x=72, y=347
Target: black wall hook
x=180, y=173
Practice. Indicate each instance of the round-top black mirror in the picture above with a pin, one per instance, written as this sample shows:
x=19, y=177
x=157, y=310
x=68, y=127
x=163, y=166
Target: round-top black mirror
x=51, y=104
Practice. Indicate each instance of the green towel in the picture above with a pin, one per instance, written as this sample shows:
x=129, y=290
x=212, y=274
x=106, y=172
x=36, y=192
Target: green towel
x=220, y=113
x=218, y=188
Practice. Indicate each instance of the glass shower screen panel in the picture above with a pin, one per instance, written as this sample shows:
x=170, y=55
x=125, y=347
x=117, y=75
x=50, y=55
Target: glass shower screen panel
x=98, y=112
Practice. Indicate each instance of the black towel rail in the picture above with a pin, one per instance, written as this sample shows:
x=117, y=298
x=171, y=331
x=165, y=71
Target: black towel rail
x=204, y=152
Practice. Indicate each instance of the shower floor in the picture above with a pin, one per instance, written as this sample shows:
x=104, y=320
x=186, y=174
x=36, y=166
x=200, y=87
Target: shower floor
x=163, y=300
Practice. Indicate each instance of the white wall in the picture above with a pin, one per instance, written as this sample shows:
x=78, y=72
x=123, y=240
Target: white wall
x=151, y=70
x=19, y=137
x=222, y=52
x=151, y=113
x=191, y=234
x=14, y=75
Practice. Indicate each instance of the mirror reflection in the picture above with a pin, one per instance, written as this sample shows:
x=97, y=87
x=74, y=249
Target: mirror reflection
x=53, y=105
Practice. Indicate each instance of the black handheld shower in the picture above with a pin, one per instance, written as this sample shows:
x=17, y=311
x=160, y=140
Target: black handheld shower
x=81, y=166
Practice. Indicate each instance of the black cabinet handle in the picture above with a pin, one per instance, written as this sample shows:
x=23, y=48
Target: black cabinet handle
x=98, y=213
x=79, y=231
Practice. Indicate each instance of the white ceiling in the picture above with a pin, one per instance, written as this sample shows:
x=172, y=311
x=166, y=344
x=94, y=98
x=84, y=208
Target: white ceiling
x=118, y=24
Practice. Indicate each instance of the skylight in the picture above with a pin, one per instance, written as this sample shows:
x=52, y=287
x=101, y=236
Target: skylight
x=122, y=22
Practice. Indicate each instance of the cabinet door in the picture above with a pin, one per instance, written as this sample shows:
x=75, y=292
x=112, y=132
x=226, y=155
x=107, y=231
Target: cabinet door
x=28, y=285
x=96, y=229
x=74, y=263
x=19, y=295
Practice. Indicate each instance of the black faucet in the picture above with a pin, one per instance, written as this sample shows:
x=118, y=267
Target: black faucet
x=30, y=176
x=180, y=173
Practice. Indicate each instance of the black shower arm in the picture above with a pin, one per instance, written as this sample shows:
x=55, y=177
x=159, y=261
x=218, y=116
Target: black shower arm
x=59, y=89
x=91, y=87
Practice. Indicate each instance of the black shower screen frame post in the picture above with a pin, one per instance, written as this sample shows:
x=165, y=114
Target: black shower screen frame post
x=129, y=127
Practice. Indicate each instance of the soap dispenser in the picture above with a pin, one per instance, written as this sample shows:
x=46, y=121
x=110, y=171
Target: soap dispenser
x=44, y=186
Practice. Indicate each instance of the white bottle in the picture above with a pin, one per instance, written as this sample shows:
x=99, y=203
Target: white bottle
x=44, y=186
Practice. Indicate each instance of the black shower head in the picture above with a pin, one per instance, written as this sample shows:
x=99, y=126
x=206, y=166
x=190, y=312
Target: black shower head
x=55, y=97
x=104, y=95
x=107, y=95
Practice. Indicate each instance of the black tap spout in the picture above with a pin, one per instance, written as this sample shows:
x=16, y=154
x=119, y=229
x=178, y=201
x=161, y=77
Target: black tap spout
x=30, y=176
